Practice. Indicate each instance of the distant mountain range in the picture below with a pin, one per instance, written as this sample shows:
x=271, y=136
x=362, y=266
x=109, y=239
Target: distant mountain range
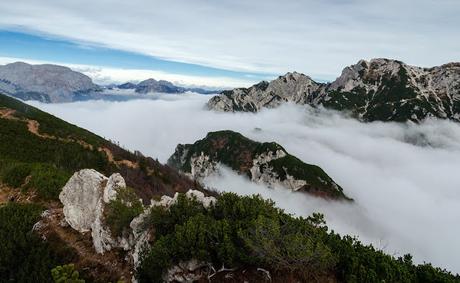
x=53, y=83
x=380, y=89
x=161, y=86
x=375, y=90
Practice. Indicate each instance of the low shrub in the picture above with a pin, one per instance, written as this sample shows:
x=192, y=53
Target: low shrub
x=247, y=231
x=120, y=212
x=45, y=179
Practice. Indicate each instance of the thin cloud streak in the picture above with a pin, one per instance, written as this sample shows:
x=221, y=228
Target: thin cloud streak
x=403, y=177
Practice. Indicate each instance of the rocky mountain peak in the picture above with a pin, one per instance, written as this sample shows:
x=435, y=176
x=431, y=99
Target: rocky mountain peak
x=294, y=77
x=128, y=85
x=161, y=86
x=148, y=81
x=48, y=83
x=365, y=73
x=292, y=87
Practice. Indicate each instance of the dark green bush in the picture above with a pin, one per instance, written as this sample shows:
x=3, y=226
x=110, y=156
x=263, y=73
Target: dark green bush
x=236, y=231
x=47, y=180
x=16, y=174
x=66, y=274
x=24, y=257
x=121, y=211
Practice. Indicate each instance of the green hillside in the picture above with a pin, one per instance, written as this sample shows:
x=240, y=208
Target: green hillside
x=58, y=149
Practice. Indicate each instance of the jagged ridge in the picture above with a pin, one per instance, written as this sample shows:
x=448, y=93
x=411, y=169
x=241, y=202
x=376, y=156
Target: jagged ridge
x=381, y=89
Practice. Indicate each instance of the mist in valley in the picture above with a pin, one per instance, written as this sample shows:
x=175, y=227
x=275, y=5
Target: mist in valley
x=403, y=177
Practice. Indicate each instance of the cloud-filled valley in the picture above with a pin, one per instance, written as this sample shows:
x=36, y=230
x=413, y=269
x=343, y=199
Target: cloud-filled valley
x=403, y=177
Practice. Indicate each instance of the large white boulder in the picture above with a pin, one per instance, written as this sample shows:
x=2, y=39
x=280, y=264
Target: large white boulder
x=81, y=197
x=84, y=198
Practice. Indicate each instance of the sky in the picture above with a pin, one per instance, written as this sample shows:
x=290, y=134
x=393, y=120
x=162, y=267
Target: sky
x=226, y=43
x=403, y=176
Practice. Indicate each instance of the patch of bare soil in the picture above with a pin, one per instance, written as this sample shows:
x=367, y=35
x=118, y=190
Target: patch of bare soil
x=6, y=113
x=8, y=194
x=111, y=159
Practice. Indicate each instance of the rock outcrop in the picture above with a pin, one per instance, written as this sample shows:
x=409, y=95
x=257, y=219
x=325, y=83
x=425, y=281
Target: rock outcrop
x=85, y=197
x=46, y=83
x=187, y=271
x=267, y=163
x=167, y=201
x=381, y=89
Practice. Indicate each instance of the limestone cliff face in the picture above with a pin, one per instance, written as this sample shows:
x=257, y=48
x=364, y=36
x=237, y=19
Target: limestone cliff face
x=379, y=89
x=46, y=83
x=267, y=163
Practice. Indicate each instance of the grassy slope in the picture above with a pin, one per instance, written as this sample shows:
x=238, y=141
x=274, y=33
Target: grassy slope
x=22, y=153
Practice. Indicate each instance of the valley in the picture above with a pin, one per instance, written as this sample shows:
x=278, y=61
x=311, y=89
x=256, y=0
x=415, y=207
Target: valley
x=352, y=153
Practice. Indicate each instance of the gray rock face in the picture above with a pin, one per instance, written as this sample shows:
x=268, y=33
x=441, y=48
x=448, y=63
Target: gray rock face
x=187, y=271
x=292, y=87
x=81, y=197
x=84, y=197
x=46, y=83
x=381, y=89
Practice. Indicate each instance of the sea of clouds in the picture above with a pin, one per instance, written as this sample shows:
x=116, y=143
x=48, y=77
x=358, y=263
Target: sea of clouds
x=404, y=178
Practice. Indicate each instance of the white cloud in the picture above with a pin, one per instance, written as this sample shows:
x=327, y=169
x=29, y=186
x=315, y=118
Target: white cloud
x=315, y=37
x=106, y=75
x=403, y=177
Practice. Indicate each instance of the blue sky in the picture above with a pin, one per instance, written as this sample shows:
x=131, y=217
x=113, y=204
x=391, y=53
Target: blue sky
x=21, y=45
x=227, y=42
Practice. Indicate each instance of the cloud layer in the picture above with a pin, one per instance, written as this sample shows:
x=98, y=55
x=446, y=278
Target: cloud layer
x=315, y=37
x=404, y=177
